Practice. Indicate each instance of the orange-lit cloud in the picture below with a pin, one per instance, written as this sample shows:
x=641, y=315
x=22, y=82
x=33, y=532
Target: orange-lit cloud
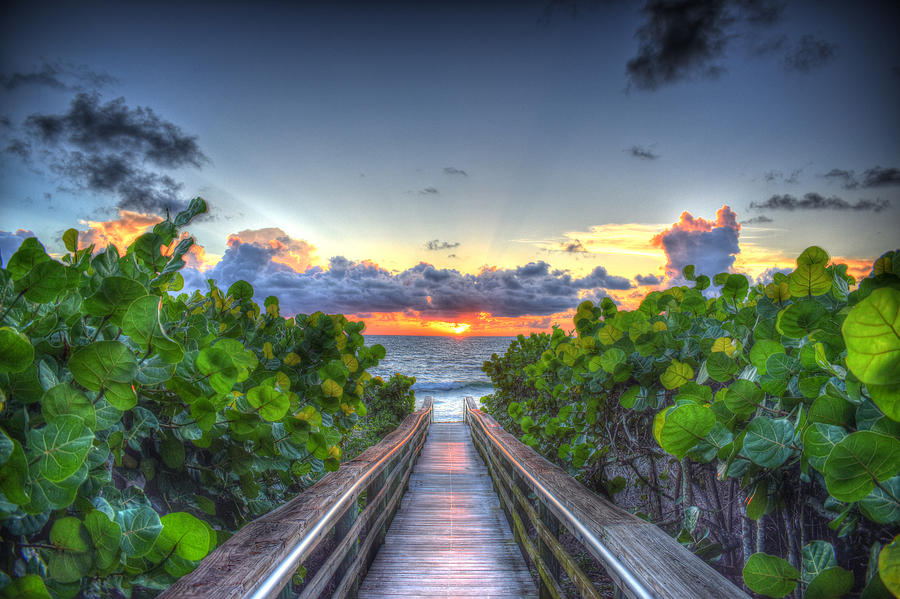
x=296, y=254
x=120, y=232
x=725, y=217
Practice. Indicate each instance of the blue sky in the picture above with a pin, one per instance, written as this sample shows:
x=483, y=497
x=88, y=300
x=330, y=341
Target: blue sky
x=366, y=131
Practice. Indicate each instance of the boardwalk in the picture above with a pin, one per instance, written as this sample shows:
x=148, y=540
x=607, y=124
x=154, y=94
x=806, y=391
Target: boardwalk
x=450, y=537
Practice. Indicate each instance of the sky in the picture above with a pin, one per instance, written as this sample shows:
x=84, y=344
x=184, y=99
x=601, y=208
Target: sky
x=457, y=168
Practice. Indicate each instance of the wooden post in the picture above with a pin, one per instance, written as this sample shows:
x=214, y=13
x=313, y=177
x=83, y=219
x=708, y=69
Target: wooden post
x=341, y=528
x=546, y=552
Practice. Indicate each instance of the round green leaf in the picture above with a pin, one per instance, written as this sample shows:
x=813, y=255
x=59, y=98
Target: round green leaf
x=218, y=365
x=113, y=297
x=71, y=559
x=64, y=399
x=106, y=536
x=16, y=351
x=735, y=288
x=767, y=441
x=331, y=388
x=818, y=441
x=770, y=575
x=29, y=254
x=889, y=566
x=882, y=505
x=240, y=290
x=833, y=583
x=184, y=535
x=611, y=358
x=58, y=449
x=872, y=334
x=14, y=474
x=809, y=280
x=44, y=282
x=677, y=374
x=817, y=557
x=720, y=367
x=70, y=239
x=743, y=397
x=103, y=362
x=271, y=403
x=801, y=318
x=684, y=427
x=142, y=323
x=30, y=586
x=140, y=528
x=760, y=352
x=857, y=461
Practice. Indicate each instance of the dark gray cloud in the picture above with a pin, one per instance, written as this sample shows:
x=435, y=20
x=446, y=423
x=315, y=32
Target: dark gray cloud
x=57, y=75
x=449, y=170
x=809, y=53
x=642, y=153
x=876, y=176
x=10, y=242
x=815, y=201
x=429, y=191
x=5, y=122
x=573, y=247
x=20, y=148
x=679, y=39
x=757, y=220
x=650, y=279
x=711, y=246
x=436, y=245
x=777, y=175
x=107, y=148
x=363, y=287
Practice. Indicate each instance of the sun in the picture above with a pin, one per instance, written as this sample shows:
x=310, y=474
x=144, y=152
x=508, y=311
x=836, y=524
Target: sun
x=449, y=328
x=461, y=328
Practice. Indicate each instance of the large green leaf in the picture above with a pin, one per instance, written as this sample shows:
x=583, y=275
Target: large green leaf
x=684, y=427
x=760, y=352
x=882, y=505
x=14, y=474
x=142, y=323
x=16, y=351
x=218, y=365
x=889, y=566
x=58, y=449
x=809, y=280
x=817, y=556
x=43, y=283
x=71, y=558
x=743, y=397
x=768, y=441
x=801, y=318
x=735, y=288
x=872, y=334
x=833, y=583
x=196, y=207
x=271, y=403
x=30, y=254
x=677, y=374
x=103, y=362
x=64, y=399
x=770, y=575
x=30, y=586
x=184, y=535
x=113, y=297
x=106, y=536
x=859, y=460
x=140, y=528
x=818, y=441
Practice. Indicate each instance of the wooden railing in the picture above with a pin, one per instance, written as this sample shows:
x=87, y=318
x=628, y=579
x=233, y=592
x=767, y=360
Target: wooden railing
x=641, y=559
x=262, y=557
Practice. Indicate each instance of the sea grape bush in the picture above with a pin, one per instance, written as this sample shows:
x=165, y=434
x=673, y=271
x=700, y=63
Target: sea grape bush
x=138, y=429
x=787, y=394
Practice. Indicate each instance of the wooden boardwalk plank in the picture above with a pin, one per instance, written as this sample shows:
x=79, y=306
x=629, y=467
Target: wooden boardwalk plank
x=450, y=537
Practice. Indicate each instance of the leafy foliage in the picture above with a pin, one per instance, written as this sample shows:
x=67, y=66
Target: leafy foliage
x=140, y=428
x=785, y=395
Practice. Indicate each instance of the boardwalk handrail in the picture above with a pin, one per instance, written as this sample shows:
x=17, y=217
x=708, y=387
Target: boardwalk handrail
x=260, y=559
x=643, y=561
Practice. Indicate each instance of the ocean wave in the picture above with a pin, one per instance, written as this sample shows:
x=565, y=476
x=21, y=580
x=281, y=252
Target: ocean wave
x=437, y=386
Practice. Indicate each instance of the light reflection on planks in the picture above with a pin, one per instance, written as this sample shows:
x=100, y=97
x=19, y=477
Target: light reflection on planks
x=450, y=537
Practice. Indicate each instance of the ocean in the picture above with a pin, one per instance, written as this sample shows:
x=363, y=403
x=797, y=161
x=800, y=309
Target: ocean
x=446, y=368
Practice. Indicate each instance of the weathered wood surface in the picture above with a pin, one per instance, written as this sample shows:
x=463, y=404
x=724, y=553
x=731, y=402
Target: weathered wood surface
x=450, y=537
x=235, y=568
x=665, y=567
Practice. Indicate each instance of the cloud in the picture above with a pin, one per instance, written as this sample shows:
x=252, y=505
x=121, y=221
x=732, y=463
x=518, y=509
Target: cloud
x=757, y=220
x=642, y=152
x=121, y=231
x=876, y=176
x=296, y=254
x=105, y=148
x=678, y=40
x=449, y=170
x=429, y=191
x=651, y=279
x=879, y=177
x=815, y=201
x=350, y=287
x=711, y=246
x=777, y=175
x=436, y=245
x=768, y=275
x=810, y=53
x=20, y=148
x=10, y=242
x=5, y=122
x=53, y=75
